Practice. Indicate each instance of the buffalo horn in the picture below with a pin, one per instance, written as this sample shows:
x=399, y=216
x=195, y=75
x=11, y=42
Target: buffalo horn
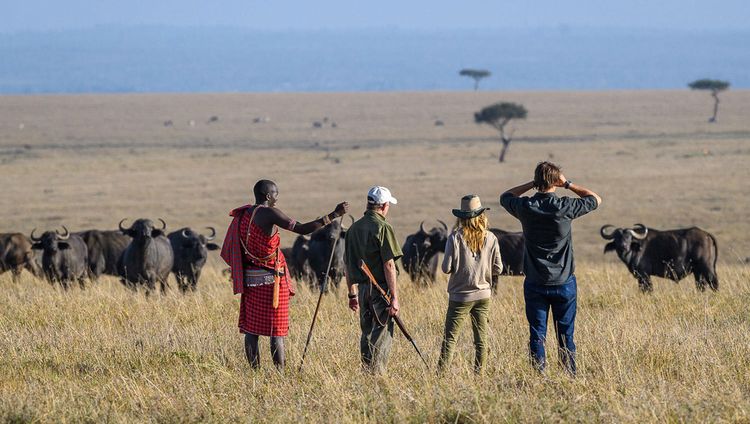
x=120, y=225
x=65, y=236
x=346, y=228
x=185, y=233
x=639, y=231
x=213, y=233
x=421, y=227
x=443, y=224
x=33, y=238
x=163, y=224
x=604, y=234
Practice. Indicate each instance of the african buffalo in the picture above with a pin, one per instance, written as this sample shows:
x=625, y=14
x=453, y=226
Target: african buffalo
x=148, y=258
x=320, y=248
x=190, y=253
x=420, y=251
x=64, y=257
x=296, y=259
x=669, y=254
x=104, y=250
x=511, y=250
x=16, y=254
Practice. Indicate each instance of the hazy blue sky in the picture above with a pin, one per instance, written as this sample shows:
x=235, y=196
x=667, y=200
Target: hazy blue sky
x=22, y=15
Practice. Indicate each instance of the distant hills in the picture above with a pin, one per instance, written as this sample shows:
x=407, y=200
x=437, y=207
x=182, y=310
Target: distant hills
x=168, y=59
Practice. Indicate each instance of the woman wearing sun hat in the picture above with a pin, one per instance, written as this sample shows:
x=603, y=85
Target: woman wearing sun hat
x=472, y=258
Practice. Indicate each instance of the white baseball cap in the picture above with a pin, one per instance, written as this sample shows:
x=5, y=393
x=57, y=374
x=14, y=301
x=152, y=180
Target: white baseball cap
x=379, y=195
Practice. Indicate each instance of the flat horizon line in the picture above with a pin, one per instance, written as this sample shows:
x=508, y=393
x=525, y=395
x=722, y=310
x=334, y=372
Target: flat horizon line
x=178, y=93
x=562, y=28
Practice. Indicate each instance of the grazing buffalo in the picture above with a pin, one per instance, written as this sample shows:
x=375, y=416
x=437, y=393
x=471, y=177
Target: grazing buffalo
x=321, y=249
x=190, y=253
x=420, y=251
x=16, y=254
x=511, y=250
x=296, y=259
x=104, y=250
x=148, y=258
x=64, y=257
x=669, y=254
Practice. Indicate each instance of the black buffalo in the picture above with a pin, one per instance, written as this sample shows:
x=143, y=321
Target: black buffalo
x=190, y=253
x=16, y=255
x=296, y=259
x=64, y=257
x=669, y=254
x=148, y=259
x=512, y=245
x=104, y=250
x=327, y=244
x=421, y=250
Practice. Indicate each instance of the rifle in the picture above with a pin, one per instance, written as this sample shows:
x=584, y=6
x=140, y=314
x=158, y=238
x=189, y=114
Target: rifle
x=363, y=266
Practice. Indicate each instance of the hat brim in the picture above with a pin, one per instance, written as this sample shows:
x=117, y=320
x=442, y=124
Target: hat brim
x=469, y=214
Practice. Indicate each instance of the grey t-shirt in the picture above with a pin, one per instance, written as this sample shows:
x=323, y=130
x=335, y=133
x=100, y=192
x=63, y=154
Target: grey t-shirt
x=546, y=221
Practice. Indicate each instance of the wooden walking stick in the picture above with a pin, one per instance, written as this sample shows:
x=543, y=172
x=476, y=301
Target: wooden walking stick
x=363, y=266
x=320, y=297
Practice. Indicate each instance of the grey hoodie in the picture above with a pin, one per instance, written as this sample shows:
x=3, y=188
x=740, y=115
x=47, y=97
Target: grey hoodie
x=471, y=274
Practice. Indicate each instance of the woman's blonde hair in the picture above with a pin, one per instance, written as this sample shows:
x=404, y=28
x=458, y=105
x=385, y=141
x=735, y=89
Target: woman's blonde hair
x=474, y=231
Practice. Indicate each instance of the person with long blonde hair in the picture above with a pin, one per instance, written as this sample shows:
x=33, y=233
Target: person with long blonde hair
x=472, y=258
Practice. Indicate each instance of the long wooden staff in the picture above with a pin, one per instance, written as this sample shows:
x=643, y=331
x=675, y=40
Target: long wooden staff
x=320, y=297
x=363, y=266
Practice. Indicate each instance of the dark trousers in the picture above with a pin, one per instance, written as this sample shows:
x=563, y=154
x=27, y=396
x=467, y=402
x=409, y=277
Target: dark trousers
x=377, y=329
x=561, y=299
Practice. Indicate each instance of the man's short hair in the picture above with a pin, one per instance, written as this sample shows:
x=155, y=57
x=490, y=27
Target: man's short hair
x=546, y=175
x=262, y=188
x=372, y=206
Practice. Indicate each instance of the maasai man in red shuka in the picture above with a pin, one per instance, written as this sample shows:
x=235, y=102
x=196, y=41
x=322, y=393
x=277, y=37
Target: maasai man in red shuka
x=259, y=273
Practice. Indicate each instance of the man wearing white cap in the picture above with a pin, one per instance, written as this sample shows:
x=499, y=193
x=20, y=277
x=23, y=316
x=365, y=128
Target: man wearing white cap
x=372, y=240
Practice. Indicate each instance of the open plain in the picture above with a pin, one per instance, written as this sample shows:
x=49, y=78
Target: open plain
x=106, y=354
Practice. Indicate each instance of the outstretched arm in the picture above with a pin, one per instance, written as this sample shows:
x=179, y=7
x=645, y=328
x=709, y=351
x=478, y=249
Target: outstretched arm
x=268, y=217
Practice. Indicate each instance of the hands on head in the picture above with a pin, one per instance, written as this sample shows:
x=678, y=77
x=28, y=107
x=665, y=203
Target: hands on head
x=561, y=181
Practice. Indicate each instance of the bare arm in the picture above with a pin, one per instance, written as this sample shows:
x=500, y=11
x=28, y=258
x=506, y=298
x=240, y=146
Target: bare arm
x=521, y=189
x=266, y=218
x=353, y=301
x=578, y=190
x=389, y=268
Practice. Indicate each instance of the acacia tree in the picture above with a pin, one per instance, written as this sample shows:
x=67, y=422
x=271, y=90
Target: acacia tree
x=476, y=75
x=715, y=86
x=498, y=116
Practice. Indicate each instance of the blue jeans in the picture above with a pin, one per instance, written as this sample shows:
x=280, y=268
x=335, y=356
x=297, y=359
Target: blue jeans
x=562, y=300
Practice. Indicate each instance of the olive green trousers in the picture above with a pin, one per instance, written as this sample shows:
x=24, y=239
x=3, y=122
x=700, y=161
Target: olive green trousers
x=478, y=310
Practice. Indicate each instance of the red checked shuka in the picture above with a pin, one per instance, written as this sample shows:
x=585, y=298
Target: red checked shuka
x=252, y=254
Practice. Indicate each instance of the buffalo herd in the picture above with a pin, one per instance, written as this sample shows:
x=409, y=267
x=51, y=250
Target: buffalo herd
x=143, y=254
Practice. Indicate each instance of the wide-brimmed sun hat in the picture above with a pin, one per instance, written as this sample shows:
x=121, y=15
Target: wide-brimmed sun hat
x=471, y=206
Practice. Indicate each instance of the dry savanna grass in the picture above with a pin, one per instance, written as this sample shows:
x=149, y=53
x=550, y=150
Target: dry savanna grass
x=106, y=354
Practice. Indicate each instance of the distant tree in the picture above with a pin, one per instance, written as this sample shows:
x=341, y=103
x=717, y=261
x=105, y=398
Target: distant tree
x=476, y=75
x=715, y=86
x=498, y=116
